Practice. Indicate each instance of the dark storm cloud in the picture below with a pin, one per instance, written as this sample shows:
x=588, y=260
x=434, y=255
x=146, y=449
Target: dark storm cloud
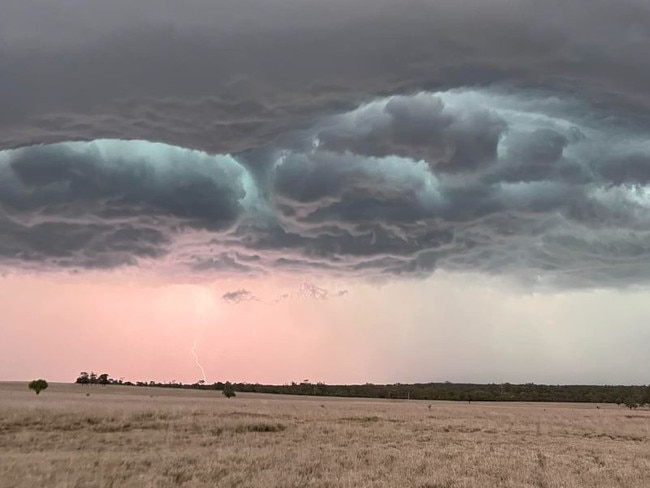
x=561, y=198
x=53, y=178
x=233, y=75
x=74, y=205
x=75, y=245
x=491, y=136
x=422, y=128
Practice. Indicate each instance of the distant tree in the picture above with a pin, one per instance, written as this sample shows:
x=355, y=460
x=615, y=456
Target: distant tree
x=103, y=379
x=646, y=397
x=37, y=385
x=83, y=378
x=93, y=378
x=228, y=390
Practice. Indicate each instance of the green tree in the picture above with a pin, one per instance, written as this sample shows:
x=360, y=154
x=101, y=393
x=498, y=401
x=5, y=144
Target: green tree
x=228, y=390
x=631, y=404
x=83, y=378
x=37, y=385
x=646, y=397
x=104, y=379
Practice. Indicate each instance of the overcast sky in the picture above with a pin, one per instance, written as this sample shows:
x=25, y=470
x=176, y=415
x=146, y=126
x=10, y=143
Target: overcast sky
x=345, y=191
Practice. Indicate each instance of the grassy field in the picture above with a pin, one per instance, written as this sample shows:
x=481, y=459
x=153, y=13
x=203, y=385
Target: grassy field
x=93, y=436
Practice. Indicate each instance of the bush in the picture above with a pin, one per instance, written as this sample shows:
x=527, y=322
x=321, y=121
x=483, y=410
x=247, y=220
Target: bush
x=38, y=385
x=228, y=390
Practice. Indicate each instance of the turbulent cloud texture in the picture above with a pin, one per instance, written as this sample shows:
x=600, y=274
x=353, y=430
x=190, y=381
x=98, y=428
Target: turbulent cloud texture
x=467, y=180
x=326, y=137
x=235, y=74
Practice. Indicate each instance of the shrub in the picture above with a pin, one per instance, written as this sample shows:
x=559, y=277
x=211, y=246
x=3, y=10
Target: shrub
x=38, y=385
x=228, y=390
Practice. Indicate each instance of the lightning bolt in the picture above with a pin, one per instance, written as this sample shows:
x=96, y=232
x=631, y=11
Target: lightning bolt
x=196, y=360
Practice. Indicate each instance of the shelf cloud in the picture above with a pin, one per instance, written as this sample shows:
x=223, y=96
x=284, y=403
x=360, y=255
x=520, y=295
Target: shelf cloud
x=493, y=137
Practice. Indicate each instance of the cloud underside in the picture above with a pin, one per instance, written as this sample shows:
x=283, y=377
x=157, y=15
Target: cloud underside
x=233, y=75
x=547, y=190
x=480, y=135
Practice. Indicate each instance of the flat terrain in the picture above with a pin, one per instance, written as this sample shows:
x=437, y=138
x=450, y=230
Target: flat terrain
x=93, y=436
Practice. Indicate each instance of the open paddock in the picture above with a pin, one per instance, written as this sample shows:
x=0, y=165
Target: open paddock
x=77, y=436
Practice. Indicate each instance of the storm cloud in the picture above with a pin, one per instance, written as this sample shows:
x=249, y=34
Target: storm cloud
x=329, y=138
x=233, y=75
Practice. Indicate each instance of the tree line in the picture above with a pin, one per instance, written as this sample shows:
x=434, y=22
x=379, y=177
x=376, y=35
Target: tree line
x=93, y=378
x=630, y=396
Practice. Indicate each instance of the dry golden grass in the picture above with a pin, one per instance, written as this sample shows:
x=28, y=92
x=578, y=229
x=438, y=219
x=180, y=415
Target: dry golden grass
x=141, y=437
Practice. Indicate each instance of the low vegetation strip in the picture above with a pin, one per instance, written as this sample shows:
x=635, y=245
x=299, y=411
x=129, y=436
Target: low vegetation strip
x=631, y=396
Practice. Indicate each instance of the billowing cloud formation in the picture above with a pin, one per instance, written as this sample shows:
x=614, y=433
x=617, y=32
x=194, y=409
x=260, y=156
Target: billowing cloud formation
x=105, y=204
x=419, y=127
x=328, y=137
x=540, y=185
x=545, y=189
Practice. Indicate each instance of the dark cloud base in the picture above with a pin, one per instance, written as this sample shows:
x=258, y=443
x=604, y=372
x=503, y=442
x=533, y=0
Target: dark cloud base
x=541, y=187
x=234, y=75
x=356, y=140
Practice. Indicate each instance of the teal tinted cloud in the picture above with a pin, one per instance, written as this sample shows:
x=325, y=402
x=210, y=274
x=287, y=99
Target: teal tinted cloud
x=547, y=189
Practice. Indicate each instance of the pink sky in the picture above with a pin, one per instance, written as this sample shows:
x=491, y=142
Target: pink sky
x=448, y=327
x=442, y=146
